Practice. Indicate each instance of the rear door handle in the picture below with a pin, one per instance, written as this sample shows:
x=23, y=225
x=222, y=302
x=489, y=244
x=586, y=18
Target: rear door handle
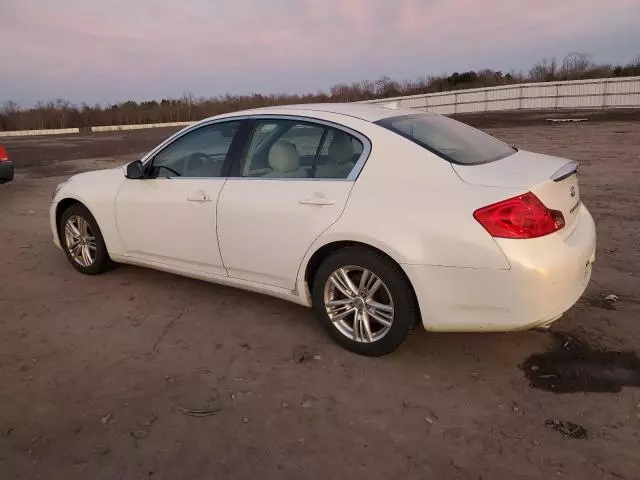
x=199, y=197
x=316, y=201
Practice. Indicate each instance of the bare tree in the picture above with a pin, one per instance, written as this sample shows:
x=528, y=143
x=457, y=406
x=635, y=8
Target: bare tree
x=543, y=71
x=576, y=65
x=61, y=107
x=187, y=100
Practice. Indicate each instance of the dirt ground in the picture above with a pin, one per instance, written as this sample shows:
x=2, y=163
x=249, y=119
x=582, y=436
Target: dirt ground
x=108, y=377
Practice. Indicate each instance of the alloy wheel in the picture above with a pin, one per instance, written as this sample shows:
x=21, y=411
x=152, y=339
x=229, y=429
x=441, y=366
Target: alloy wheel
x=80, y=240
x=359, y=304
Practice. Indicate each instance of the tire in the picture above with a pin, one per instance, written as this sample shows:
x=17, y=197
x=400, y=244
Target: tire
x=394, y=293
x=98, y=250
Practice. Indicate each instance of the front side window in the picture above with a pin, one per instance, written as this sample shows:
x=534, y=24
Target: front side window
x=292, y=149
x=198, y=153
x=451, y=140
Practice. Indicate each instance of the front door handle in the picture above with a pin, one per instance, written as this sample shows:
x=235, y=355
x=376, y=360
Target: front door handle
x=317, y=201
x=199, y=197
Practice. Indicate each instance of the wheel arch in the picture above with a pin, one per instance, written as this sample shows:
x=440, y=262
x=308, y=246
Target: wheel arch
x=325, y=250
x=63, y=205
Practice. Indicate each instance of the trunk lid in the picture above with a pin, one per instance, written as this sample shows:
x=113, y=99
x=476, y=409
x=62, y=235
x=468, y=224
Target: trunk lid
x=552, y=179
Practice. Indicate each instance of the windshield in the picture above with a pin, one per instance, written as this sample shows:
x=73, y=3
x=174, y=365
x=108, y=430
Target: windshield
x=451, y=140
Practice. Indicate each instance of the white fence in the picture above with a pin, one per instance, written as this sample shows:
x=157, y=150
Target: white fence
x=588, y=94
x=26, y=133
x=115, y=128
x=601, y=93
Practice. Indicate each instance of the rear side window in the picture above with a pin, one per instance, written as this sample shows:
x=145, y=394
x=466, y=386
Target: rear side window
x=283, y=148
x=451, y=140
x=339, y=154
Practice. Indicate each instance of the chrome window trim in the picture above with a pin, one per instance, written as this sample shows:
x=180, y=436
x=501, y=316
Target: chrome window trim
x=187, y=178
x=353, y=175
x=288, y=179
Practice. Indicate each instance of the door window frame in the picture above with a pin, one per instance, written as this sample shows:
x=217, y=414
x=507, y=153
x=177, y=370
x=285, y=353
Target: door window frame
x=235, y=147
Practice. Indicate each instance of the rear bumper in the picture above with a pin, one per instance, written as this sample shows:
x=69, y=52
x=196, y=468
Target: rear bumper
x=547, y=277
x=6, y=172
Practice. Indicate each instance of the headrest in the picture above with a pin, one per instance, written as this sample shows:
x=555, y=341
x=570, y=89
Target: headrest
x=341, y=148
x=284, y=157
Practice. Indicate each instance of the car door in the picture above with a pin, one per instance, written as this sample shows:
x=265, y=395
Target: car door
x=291, y=184
x=169, y=216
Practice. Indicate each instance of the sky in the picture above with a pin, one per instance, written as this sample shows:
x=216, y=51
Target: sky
x=105, y=51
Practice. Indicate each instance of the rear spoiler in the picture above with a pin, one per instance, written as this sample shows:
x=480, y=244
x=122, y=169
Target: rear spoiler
x=565, y=171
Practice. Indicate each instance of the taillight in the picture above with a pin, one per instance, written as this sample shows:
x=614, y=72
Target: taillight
x=523, y=216
x=3, y=155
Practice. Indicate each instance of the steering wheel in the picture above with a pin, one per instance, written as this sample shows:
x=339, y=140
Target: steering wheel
x=195, y=162
x=199, y=156
x=170, y=169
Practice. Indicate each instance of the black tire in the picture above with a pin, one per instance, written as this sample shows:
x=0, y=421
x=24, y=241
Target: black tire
x=399, y=289
x=102, y=261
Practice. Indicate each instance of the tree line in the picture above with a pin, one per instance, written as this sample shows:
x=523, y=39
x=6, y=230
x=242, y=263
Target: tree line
x=61, y=113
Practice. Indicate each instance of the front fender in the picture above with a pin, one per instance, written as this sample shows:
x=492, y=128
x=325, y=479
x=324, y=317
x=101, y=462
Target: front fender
x=97, y=191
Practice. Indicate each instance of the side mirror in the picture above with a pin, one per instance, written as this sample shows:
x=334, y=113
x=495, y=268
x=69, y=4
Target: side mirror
x=135, y=170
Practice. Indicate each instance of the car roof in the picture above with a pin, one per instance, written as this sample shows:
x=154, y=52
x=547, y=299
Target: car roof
x=364, y=111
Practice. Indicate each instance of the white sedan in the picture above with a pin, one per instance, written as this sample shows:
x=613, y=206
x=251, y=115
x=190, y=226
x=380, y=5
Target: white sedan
x=378, y=218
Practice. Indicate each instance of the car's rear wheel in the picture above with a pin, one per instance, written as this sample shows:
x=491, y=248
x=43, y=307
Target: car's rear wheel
x=364, y=301
x=82, y=241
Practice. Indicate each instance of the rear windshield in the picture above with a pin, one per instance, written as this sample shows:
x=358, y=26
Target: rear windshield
x=452, y=140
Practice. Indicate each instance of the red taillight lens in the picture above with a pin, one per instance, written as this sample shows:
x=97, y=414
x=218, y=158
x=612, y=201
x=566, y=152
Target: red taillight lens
x=3, y=155
x=523, y=216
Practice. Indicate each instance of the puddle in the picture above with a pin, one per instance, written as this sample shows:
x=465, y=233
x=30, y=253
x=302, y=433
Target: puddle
x=573, y=366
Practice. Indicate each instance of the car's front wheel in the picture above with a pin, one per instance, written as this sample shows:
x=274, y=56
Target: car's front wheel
x=82, y=241
x=364, y=301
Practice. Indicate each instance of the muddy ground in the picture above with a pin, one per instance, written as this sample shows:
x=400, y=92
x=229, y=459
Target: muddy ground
x=103, y=377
